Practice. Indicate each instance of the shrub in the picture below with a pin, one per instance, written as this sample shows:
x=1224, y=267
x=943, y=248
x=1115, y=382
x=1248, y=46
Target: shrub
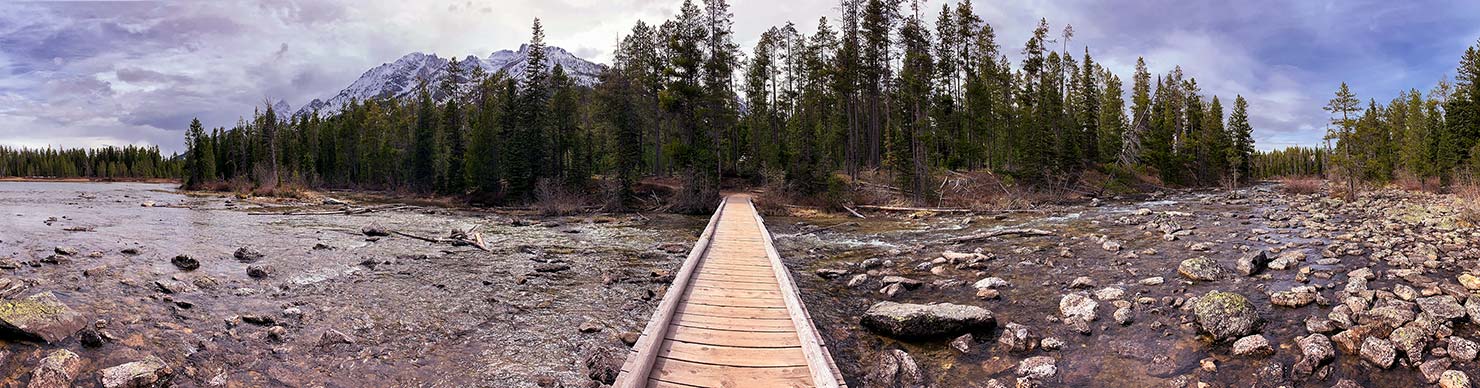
x=1301, y=185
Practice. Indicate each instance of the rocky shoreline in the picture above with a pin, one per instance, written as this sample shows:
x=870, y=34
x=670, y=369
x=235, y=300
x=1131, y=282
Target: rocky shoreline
x=1245, y=288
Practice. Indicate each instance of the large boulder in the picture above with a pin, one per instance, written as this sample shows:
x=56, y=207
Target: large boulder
x=1226, y=315
x=1200, y=268
x=40, y=317
x=150, y=372
x=907, y=320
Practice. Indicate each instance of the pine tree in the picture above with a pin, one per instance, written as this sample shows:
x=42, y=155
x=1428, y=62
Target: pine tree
x=1342, y=107
x=1242, y=134
x=1112, y=121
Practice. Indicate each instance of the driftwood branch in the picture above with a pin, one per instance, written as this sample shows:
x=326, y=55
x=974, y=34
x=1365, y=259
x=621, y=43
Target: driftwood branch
x=854, y=212
x=1026, y=232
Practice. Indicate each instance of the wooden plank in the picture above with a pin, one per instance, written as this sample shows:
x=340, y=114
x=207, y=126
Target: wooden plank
x=732, y=356
x=709, y=292
x=705, y=375
x=727, y=323
x=775, y=303
x=733, y=285
x=736, y=312
x=732, y=337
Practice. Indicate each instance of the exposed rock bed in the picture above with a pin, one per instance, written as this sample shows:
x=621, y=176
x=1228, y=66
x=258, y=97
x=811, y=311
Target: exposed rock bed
x=1244, y=288
x=197, y=292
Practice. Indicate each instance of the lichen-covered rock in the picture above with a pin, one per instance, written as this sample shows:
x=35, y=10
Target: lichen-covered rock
x=1200, y=268
x=1017, y=338
x=150, y=372
x=1294, y=297
x=1078, y=305
x=1411, y=341
x=1040, y=367
x=56, y=370
x=1462, y=349
x=1454, y=379
x=906, y=320
x=1252, y=346
x=1442, y=306
x=1226, y=315
x=1379, y=352
x=895, y=368
x=40, y=317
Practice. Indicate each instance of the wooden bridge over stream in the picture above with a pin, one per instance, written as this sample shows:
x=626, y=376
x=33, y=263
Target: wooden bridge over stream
x=732, y=317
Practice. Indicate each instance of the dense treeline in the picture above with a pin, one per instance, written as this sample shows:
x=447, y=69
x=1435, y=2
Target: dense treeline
x=1412, y=136
x=1290, y=162
x=883, y=90
x=128, y=162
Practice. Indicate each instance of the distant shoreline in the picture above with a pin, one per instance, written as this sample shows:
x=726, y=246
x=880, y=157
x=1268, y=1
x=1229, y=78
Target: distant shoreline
x=88, y=180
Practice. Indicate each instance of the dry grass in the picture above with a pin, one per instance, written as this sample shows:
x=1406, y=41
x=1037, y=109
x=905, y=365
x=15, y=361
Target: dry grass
x=1468, y=202
x=1409, y=181
x=551, y=199
x=1301, y=185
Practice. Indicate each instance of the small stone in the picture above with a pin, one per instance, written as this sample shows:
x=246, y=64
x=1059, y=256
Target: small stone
x=988, y=293
x=1454, y=379
x=1462, y=349
x=277, y=333
x=1039, y=367
x=1082, y=282
x=1316, y=348
x=630, y=337
x=247, y=255
x=1208, y=365
x=1111, y=246
x=857, y=280
x=990, y=283
x=589, y=327
x=831, y=273
x=90, y=337
x=963, y=344
x=1052, y=343
x=333, y=337
x=66, y=251
x=1252, y=346
x=375, y=230
x=1433, y=369
x=1152, y=281
x=1295, y=297
x=185, y=262
x=551, y=267
x=259, y=271
x=1124, y=316
x=1200, y=268
x=1469, y=281
x=1017, y=338
x=1078, y=305
x=1251, y=264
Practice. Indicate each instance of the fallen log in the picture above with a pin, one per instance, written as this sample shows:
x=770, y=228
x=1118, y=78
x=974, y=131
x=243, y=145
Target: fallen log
x=915, y=209
x=854, y=212
x=1025, y=232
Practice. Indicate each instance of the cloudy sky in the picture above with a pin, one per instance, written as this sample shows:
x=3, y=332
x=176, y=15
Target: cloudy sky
x=99, y=73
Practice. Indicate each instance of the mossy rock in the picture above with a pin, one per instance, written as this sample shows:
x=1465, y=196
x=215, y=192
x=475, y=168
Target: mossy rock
x=1226, y=315
x=40, y=317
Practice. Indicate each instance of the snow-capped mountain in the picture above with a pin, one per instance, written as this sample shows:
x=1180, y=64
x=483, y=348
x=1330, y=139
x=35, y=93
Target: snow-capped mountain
x=399, y=79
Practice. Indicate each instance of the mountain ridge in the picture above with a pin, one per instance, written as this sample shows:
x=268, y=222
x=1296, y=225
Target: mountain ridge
x=398, y=79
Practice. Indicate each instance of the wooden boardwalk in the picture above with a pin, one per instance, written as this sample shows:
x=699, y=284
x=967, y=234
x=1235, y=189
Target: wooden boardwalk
x=732, y=317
